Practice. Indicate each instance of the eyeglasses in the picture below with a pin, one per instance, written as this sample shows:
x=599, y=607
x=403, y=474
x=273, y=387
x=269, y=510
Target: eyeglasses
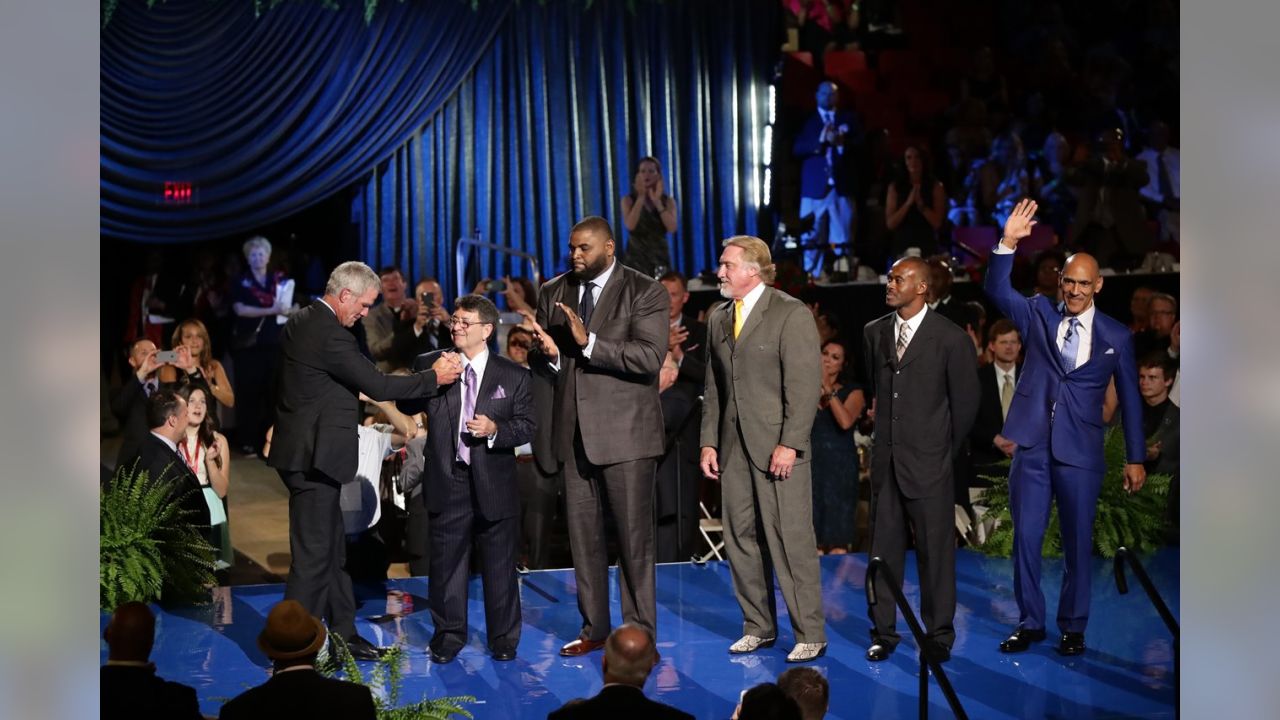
x=521, y=345
x=465, y=324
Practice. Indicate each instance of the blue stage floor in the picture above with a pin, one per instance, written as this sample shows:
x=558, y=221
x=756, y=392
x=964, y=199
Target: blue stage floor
x=1127, y=671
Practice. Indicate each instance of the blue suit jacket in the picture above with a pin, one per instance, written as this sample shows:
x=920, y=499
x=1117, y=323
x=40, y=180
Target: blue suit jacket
x=812, y=154
x=1050, y=402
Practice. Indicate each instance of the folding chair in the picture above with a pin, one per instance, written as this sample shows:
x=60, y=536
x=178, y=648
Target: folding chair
x=709, y=526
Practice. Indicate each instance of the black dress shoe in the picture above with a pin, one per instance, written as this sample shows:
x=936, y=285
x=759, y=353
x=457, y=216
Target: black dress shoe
x=504, y=655
x=1020, y=640
x=362, y=649
x=940, y=653
x=441, y=658
x=1071, y=643
x=878, y=652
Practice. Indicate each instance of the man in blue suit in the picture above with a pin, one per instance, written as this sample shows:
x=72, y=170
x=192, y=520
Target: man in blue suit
x=824, y=148
x=1072, y=353
x=474, y=427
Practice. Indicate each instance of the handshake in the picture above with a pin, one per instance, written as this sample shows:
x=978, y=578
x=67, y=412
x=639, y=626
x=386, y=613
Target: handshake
x=448, y=368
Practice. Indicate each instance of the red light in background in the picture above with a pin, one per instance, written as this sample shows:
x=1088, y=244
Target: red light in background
x=178, y=193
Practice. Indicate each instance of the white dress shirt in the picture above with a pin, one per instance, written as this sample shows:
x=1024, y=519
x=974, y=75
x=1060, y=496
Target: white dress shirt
x=748, y=301
x=913, y=323
x=1001, y=374
x=598, y=282
x=1085, y=330
x=479, y=363
x=172, y=445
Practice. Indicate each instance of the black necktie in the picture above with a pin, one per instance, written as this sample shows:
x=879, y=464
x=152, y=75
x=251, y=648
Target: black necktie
x=587, y=304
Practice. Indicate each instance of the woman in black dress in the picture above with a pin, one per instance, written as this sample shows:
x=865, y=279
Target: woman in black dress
x=835, y=457
x=649, y=214
x=915, y=206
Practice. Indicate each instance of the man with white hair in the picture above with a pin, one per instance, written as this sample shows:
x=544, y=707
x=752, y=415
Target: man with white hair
x=315, y=445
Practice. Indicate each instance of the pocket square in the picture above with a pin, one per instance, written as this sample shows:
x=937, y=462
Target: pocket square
x=498, y=394
x=1110, y=351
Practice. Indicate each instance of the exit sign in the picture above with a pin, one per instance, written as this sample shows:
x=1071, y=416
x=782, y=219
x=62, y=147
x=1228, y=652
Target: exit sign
x=178, y=193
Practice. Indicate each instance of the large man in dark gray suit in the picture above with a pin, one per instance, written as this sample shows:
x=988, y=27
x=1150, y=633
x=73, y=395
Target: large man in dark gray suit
x=315, y=445
x=921, y=371
x=470, y=490
x=762, y=388
x=601, y=335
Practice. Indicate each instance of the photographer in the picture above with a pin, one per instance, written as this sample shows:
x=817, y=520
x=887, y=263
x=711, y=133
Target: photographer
x=430, y=328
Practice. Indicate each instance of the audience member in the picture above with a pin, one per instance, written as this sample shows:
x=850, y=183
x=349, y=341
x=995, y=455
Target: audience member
x=417, y=530
x=153, y=301
x=629, y=657
x=538, y=491
x=1110, y=220
x=1057, y=200
x=292, y=639
x=679, y=482
x=767, y=701
x=129, y=401
x=521, y=295
x=1162, y=313
x=198, y=366
x=129, y=687
x=1163, y=195
x=1160, y=421
x=835, y=457
x=430, y=328
x=809, y=689
x=825, y=148
x=996, y=385
x=1003, y=179
x=650, y=215
x=939, y=298
x=157, y=455
x=983, y=82
x=392, y=316
x=255, y=343
x=1139, y=307
x=915, y=206
x=206, y=452
x=1048, y=268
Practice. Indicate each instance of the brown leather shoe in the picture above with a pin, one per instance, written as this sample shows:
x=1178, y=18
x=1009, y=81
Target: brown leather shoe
x=581, y=646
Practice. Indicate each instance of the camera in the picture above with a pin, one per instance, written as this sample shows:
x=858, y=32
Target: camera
x=428, y=299
x=167, y=356
x=495, y=286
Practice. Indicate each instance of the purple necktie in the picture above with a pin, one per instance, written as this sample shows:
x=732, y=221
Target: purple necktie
x=468, y=411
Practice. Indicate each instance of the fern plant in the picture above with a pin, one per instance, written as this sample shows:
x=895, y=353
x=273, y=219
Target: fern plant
x=147, y=548
x=1136, y=521
x=388, y=675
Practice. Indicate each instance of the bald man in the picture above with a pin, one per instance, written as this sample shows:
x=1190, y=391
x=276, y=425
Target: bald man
x=130, y=687
x=1072, y=353
x=920, y=370
x=629, y=657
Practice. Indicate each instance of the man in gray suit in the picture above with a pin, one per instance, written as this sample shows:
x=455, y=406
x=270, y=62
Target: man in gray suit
x=761, y=395
x=600, y=336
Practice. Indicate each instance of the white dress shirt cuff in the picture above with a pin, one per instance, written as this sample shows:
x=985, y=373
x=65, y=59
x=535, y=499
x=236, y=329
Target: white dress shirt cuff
x=1002, y=249
x=591, y=343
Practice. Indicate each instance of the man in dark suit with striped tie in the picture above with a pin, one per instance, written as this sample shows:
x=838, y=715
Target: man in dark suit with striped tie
x=474, y=426
x=600, y=337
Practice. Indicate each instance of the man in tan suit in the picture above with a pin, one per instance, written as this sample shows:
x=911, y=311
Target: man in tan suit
x=762, y=389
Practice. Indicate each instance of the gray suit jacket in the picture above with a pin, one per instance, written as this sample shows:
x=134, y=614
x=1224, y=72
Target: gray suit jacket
x=613, y=396
x=767, y=382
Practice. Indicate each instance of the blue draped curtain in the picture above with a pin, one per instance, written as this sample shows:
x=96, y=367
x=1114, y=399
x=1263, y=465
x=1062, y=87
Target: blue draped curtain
x=549, y=126
x=266, y=117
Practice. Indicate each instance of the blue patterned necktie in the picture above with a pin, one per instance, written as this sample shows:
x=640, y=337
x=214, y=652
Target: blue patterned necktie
x=1071, y=345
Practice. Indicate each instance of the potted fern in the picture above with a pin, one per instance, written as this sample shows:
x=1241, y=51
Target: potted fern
x=147, y=548
x=1136, y=521
x=385, y=681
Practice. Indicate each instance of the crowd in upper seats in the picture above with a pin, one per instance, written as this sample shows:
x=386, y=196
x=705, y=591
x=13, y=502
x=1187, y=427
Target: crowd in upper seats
x=967, y=107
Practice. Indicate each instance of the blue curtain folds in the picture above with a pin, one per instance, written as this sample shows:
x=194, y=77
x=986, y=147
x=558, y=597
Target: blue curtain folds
x=268, y=116
x=549, y=125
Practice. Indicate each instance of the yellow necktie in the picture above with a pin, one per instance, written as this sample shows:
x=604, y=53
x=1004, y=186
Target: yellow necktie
x=737, y=318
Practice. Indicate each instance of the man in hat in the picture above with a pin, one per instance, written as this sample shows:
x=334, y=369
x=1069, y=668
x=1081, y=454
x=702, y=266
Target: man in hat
x=292, y=639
